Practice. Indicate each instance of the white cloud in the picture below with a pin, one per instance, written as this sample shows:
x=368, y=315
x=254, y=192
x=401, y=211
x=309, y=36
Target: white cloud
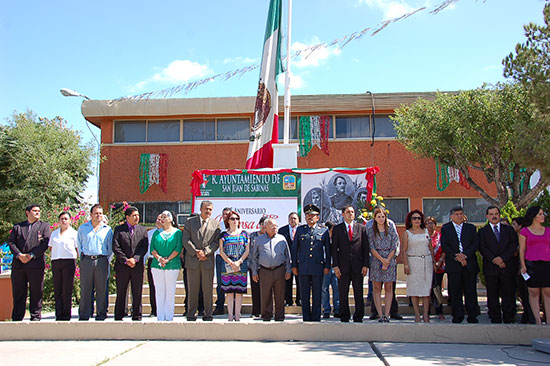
x=310, y=56
x=239, y=60
x=390, y=8
x=177, y=72
x=296, y=82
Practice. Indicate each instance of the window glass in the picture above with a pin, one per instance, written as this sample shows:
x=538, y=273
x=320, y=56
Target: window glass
x=163, y=131
x=293, y=128
x=398, y=207
x=352, y=127
x=129, y=131
x=384, y=127
x=198, y=131
x=233, y=129
x=474, y=209
x=440, y=208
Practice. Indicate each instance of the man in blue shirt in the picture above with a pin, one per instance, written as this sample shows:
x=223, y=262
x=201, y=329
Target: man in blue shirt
x=95, y=245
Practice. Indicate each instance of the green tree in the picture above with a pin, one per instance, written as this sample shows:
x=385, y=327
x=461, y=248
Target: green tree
x=41, y=161
x=477, y=130
x=530, y=66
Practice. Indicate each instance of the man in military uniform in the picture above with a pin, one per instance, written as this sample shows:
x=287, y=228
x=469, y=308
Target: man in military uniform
x=311, y=261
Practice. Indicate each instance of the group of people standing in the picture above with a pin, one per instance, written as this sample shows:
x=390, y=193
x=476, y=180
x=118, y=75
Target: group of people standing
x=316, y=255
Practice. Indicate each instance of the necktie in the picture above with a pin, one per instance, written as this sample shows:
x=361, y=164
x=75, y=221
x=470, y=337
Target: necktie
x=497, y=233
x=350, y=233
x=458, y=232
x=202, y=230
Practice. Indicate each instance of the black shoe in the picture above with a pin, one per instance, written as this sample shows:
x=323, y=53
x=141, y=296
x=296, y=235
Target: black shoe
x=136, y=319
x=381, y=319
x=326, y=316
x=218, y=312
x=396, y=316
x=35, y=319
x=472, y=320
x=191, y=318
x=387, y=320
x=207, y=318
x=342, y=320
x=457, y=320
x=117, y=319
x=373, y=317
x=336, y=315
x=266, y=320
x=493, y=321
x=100, y=318
x=358, y=321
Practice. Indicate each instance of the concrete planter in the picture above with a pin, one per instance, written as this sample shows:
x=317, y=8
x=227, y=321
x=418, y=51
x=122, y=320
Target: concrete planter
x=6, y=299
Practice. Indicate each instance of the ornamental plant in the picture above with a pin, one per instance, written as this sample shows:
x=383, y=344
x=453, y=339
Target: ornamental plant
x=367, y=213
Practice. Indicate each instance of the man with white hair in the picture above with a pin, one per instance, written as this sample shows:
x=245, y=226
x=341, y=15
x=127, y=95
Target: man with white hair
x=270, y=263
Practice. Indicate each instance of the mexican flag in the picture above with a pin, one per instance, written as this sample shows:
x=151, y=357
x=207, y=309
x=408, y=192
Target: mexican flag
x=153, y=169
x=265, y=130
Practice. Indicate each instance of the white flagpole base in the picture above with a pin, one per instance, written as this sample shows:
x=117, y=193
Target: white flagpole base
x=285, y=156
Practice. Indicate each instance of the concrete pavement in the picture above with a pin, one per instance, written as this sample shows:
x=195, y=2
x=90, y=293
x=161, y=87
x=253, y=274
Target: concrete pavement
x=112, y=353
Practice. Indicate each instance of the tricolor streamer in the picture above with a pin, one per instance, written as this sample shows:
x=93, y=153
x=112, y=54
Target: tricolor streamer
x=313, y=131
x=339, y=42
x=153, y=169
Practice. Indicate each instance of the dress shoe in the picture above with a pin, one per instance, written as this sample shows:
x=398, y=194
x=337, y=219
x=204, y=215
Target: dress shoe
x=472, y=320
x=207, y=318
x=358, y=321
x=373, y=317
x=326, y=316
x=457, y=320
x=495, y=321
x=136, y=319
x=191, y=318
x=218, y=312
x=396, y=316
x=336, y=315
x=344, y=320
x=100, y=318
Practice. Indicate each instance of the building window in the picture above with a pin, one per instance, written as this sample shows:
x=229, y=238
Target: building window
x=163, y=131
x=199, y=130
x=149, y=211
x=130, y=131
x=233, y=129
x=383, y=127
x=474, y=208
x=348, y=127
x=398, y=207
x=293, y=135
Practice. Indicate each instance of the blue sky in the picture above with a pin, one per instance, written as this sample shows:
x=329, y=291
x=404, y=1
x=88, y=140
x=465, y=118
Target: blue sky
x=110, y=49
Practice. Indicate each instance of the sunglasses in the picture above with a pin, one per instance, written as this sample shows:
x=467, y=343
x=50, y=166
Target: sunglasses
x=416, y=218
x=234, y=218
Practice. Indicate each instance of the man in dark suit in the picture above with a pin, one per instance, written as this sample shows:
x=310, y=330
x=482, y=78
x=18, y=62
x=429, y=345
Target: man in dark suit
x=28, y=241
x=460, y=242
x=350, y=259
x=130, y=245
x=497, y=244
x=311, y=261
x=289, y=232
x=200, y=240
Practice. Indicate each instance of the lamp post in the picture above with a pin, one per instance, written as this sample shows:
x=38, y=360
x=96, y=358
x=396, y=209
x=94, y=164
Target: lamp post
x=71, y=93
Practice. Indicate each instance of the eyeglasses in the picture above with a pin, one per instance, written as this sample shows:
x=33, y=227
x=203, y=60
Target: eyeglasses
x=416, y=218
x=234, y=218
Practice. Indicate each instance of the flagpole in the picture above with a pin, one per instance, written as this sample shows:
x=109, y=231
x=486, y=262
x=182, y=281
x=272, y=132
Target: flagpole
x=286, y=129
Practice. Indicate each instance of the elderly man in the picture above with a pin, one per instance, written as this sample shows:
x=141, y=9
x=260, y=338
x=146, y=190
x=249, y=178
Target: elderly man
x=200, y=239
x=95, y=245
x=311, y=261
x=28, y=241
x=270, y=263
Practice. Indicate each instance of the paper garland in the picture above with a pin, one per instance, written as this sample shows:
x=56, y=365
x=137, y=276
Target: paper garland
x=314, y=131
x=153, y=169
x=339, y=42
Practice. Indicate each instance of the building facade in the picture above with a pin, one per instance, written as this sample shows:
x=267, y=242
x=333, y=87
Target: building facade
x=213, y=133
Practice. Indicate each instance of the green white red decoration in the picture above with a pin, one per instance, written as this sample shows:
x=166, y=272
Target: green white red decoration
x=153, y=170
x=313, y=131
